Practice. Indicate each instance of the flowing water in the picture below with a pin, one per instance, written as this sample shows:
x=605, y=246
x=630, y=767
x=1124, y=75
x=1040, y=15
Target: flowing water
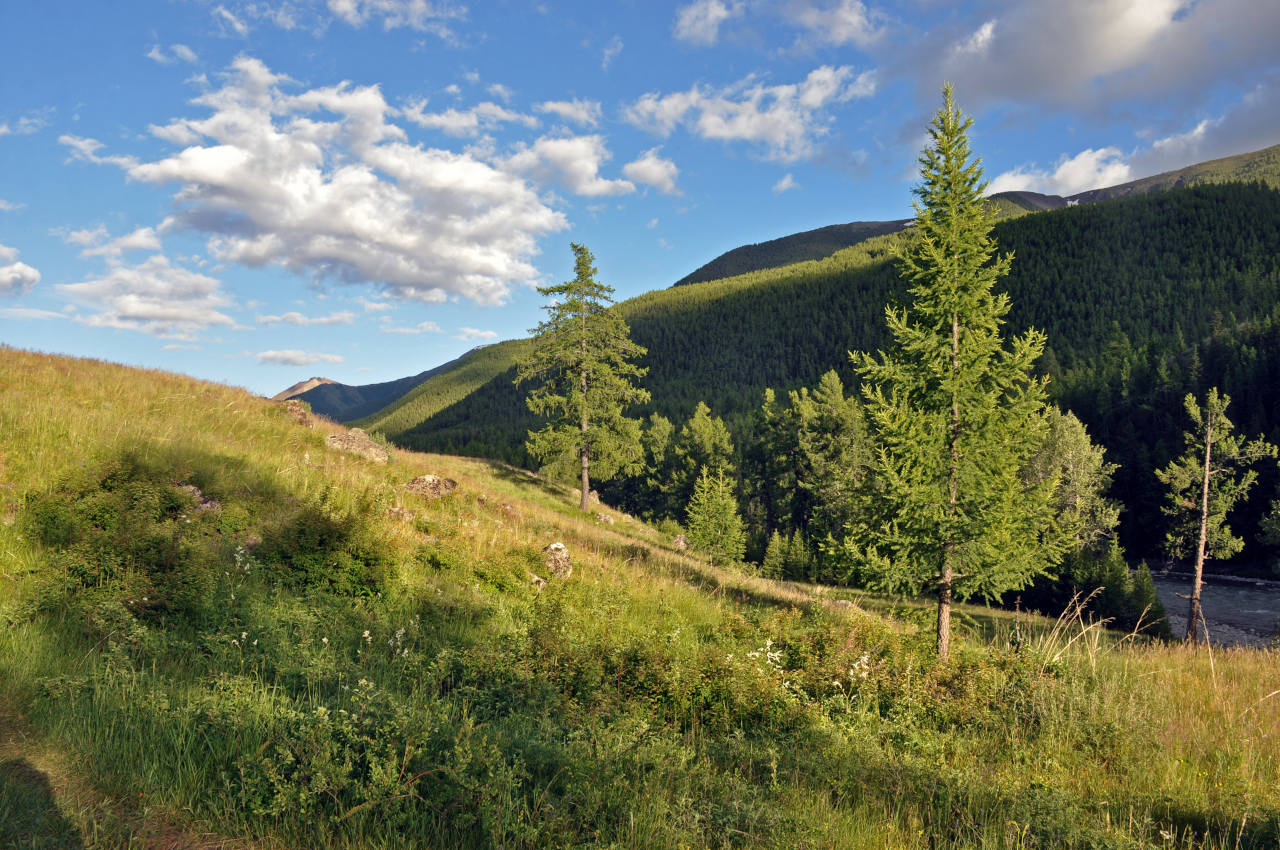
x=1236, y=613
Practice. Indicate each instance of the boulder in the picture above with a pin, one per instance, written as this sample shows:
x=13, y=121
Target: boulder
x=604, y=518
x=203, y=502
x=357, y=442
x=402, y=514
x=537, y=581
x=431, y=486
x=298, y=412
x=680, y=542
x=557, y=560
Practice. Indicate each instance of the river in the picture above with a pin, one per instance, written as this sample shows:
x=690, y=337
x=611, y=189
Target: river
x=1237, y=613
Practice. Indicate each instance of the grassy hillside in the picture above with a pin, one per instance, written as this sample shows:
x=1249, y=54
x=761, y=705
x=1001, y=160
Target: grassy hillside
x=283, y=657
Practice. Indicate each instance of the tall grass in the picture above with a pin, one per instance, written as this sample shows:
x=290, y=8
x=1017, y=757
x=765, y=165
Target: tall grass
x=439, y=698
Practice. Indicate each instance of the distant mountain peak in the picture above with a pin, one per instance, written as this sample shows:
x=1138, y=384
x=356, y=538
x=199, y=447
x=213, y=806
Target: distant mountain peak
x=301, y=387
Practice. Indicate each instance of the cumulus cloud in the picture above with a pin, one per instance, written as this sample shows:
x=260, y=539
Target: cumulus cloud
x=474, y=333
x=154, y=297
x=1095, y=54
x=839, y=23
x=10, y=206
x=574, y=161
x=699, y=22
x=1089, y=169
x=342, y=317
x=786, y=184
x=785, y=121
x=322, y=183
x=15, y=278
x=466, y=122
x=654, y=171
x=86, y=150
x=229, y=22
x=583, y=112
x=420, y=328
x=295, y=357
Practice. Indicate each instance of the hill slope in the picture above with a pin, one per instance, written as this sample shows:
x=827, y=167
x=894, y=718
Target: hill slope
x=220, y=632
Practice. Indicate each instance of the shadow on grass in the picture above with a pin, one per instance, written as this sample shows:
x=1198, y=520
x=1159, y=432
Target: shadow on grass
x=29, y=816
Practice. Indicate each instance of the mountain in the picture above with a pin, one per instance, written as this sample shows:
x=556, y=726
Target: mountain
x=301, y=387
x=796, y=248
x=1263, y=165
x=345, y=402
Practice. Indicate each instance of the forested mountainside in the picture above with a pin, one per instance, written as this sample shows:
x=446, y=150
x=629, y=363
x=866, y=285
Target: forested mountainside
x=344, y=402
x=1143, y=299
x=1263, y=165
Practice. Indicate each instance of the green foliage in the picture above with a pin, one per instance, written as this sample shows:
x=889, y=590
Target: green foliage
x=582, y=370
x=713, y=521
x=1069, y=460
x=953, y=414
x=1217, y=456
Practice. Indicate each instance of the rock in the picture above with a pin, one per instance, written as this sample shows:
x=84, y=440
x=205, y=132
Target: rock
x=557, y=558
x=593, y=498
x=508, y=510
x=357, y=442
x=842, y=603
x=537, y=580
x=431, y=486
x=298, y=412
x=680, y=542
x=604, y=518
x=203, y=503
x=402, y=514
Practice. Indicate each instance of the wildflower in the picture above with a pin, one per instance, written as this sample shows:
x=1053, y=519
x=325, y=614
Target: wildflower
x=366, y=637
x=324, y=641
x=243, y=635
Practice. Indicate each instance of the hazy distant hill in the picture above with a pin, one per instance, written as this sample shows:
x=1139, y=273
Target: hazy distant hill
x=300, y=388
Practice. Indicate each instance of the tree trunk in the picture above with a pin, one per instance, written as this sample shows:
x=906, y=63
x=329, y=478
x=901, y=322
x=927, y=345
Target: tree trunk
x=585, y=449
x=953, y=485
x=1194, y=615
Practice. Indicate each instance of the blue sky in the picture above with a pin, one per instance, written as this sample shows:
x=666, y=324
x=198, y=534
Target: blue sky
x=255, y=192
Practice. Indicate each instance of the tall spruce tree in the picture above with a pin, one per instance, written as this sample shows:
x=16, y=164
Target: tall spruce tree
x=953, y=413
x=582, y=360
x=1204, y=484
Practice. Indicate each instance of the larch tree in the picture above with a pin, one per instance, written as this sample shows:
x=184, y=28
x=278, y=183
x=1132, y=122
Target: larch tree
x=1204, y=485
x=582, y=364
x=953, y=413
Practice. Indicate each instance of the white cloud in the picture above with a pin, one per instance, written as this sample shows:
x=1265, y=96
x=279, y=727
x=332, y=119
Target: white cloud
x=154, y=297
x=373, y=306
x=32, y=122
x=321, y=183
x=786, y=184
x=500, y=91
x=655, y=171
x=342, y=317
x=420, y=328
x=699, y=22
x=294, y=357
x=572, y=160
x=177, y=52
x=86, y=150
x=28, y=313
x=142, y=239
x=10, y=206
x=1096, y=54
x=474, y=333
x=227, y=20
x=1089, y=169
x=610, y=52
x=466, y=122
x=584, y=112
x=653, y=222
x=421, y=15
x=784, y=120
x=15, y=278
x=839, y=23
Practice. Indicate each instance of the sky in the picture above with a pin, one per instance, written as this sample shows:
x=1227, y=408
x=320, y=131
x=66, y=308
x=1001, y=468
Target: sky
x=256, y=192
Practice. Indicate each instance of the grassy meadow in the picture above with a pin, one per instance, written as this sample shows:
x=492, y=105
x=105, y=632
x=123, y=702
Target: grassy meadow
x=217, y=632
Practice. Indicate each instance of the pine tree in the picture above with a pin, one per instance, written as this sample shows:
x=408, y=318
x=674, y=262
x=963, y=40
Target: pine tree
x=953, y=414
x=1204, y=484
x=581, y=358
x=714, y=524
